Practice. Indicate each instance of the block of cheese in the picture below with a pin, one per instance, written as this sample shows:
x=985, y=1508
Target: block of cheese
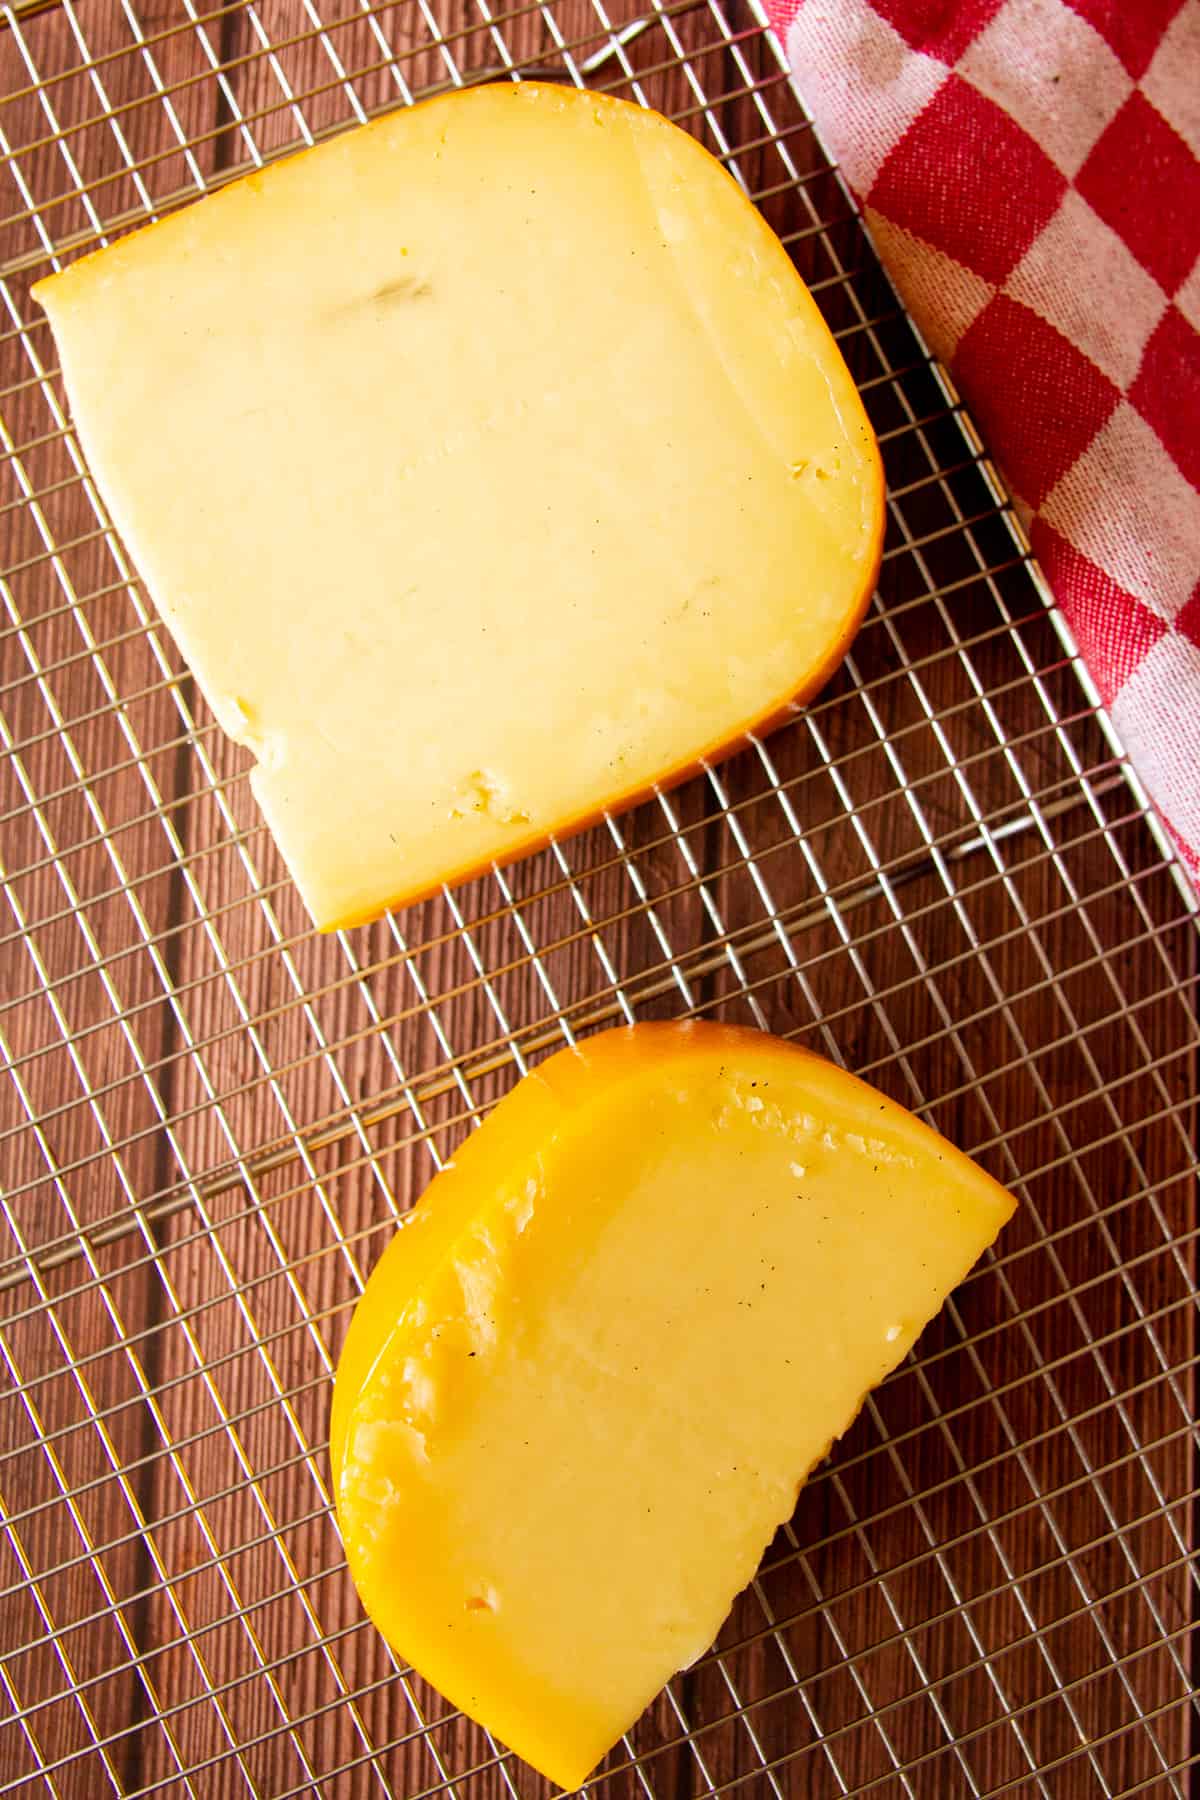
x=589, y=1374
x=490, y=465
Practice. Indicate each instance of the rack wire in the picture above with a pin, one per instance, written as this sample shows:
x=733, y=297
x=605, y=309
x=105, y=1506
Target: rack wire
x=944, y=875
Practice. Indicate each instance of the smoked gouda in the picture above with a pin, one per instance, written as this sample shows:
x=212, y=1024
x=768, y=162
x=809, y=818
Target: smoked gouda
x=589, y=1374
x=490, y=464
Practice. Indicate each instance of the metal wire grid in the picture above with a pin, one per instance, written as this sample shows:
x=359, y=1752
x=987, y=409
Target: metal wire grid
x=943, y=875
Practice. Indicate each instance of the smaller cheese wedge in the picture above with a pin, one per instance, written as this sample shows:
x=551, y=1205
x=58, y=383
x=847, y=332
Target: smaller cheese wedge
x=491, y=466
x=589, y=1374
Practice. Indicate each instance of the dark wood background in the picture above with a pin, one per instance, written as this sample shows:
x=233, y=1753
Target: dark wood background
x=210, y=1118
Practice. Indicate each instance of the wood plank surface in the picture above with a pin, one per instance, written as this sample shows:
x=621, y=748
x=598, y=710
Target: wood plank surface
x=212, y=1117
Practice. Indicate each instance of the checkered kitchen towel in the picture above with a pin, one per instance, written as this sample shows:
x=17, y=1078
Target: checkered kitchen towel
x=1029, y=171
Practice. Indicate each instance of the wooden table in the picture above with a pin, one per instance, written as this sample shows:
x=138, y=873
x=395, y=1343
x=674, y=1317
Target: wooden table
x=942, y=875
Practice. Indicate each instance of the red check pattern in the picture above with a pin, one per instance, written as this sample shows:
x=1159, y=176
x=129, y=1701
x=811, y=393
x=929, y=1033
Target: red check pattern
x=1030, y=170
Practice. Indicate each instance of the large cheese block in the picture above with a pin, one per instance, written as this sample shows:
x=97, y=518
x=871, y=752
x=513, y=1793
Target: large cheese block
x=589, y=1374
x=490, y=464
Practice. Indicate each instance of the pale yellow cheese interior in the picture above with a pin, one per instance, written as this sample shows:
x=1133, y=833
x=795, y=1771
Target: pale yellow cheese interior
x=586, y=1381
x=490, y=464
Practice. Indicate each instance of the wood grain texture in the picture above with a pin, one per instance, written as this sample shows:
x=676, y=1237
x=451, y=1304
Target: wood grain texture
x=989, y=1585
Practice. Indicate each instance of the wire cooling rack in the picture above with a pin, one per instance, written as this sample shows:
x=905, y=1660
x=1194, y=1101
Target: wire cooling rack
x=943, y=875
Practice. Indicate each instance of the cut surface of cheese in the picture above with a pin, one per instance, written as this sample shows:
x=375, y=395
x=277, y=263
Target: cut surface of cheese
x=490, y=465
x=588, y=1376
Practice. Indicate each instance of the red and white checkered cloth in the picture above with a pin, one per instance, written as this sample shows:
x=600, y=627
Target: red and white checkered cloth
x=1029, y=171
